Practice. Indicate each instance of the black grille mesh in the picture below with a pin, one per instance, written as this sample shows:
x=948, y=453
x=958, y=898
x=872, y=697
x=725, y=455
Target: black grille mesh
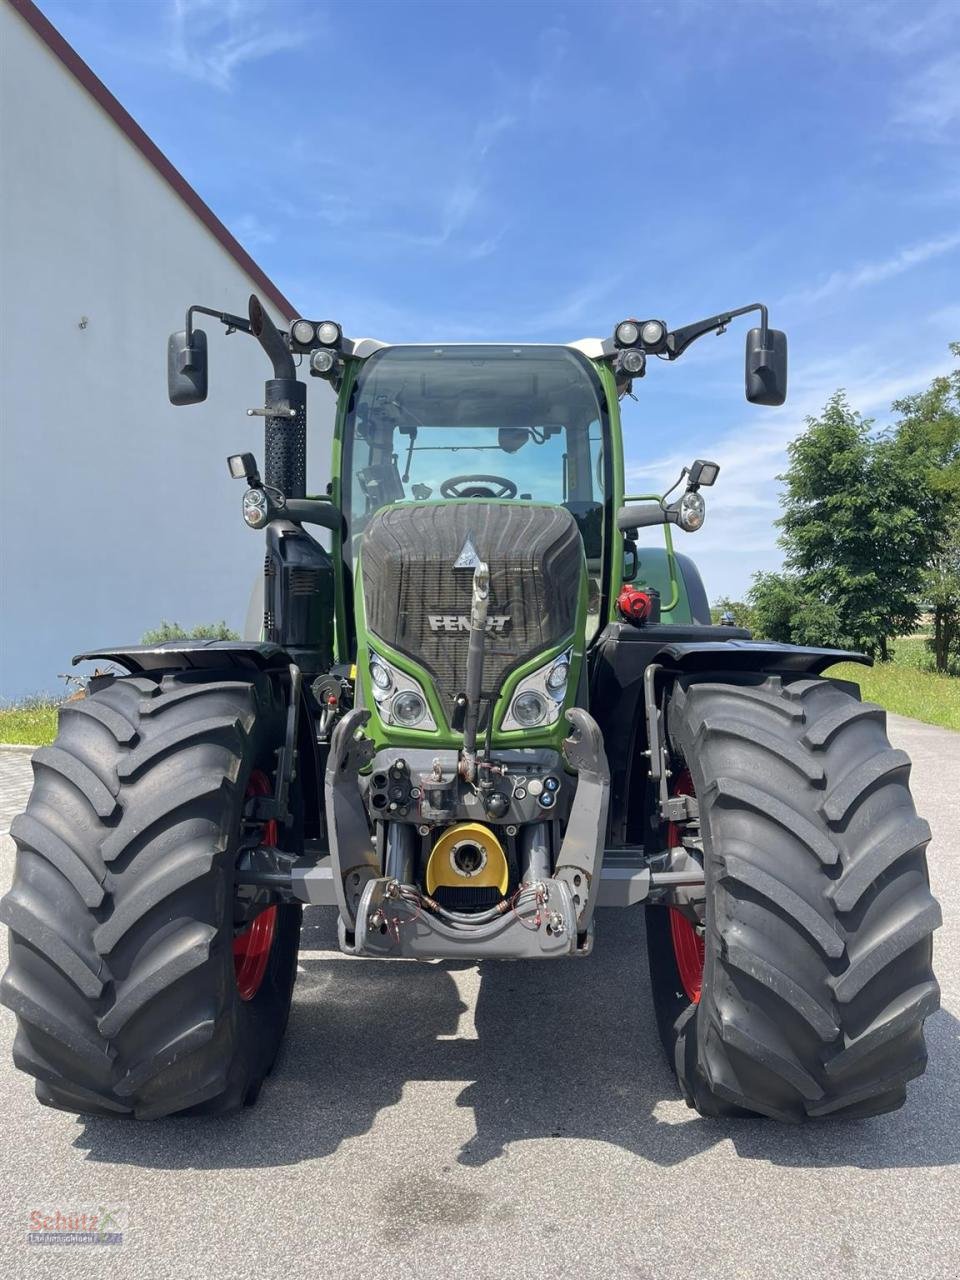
x=535, y=557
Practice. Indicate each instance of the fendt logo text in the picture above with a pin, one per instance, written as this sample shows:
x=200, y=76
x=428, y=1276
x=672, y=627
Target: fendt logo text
x=459, y=622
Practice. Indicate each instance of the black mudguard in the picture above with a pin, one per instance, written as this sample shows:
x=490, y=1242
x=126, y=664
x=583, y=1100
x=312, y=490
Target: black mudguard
x=618, y=660
x=246, y=656
x=191, y=655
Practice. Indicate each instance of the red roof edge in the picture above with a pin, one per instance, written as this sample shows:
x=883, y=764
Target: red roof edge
x=55, y=42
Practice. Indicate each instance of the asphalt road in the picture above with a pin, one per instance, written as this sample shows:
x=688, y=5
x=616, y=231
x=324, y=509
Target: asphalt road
x=445, y=1120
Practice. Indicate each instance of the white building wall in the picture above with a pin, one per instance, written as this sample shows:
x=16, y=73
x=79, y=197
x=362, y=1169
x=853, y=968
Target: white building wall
x=116, y=508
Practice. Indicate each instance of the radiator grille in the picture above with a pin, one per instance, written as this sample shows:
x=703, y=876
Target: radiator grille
x=416, y=601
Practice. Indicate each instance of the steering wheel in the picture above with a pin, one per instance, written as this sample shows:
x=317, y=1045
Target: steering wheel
x=453, y=488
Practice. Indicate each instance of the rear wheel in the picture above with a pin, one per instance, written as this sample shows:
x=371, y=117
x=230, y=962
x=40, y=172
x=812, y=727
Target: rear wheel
x=139, y=982
x=816, y=972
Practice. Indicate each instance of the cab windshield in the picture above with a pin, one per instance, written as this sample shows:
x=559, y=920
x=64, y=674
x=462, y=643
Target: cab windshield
x=510, y=422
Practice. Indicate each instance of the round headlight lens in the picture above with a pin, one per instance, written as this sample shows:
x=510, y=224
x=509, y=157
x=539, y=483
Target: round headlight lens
x=529, y=708
x=557, y=676
x=692, y=511
x=255, y=508
x=408, y=708
x=652, y=333
x=380, y=676
x=328, y=332
x=626, y=333
x=322, y=361
x=633, y=361
x=302, y=331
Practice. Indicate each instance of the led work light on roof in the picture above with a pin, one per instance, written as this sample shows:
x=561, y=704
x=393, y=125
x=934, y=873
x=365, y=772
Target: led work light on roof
x=653, y=334
x=329, y=333
x=322, y=362
x=626, y=333
x=633, y=362
x=303, y=332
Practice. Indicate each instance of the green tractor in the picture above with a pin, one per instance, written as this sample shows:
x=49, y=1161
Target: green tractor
x=486, y=710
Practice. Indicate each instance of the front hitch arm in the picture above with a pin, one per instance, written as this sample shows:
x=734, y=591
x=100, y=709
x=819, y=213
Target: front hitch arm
x=581, y=853
x=353, y=859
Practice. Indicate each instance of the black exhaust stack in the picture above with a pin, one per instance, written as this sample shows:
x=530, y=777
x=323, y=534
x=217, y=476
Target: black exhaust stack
x=298, y=591
x=285, y=402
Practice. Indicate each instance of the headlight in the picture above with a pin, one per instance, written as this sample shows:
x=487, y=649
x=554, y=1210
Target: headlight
x=400, y=699
x=693, y=511
x=380, y=675
x=329, y=333
x=633, y=362
x=557, y=675
x=302, y=331
x=322, y=361
x=408, y=708
x=255, y=508
x=626, y=333
x=539, y=697
x=529, y=708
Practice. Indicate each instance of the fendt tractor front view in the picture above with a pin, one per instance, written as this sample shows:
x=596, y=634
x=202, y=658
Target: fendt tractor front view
x=490, y=708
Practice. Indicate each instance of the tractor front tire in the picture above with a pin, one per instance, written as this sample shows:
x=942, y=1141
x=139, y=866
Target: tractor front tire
x=122, y=970
x=817, y=938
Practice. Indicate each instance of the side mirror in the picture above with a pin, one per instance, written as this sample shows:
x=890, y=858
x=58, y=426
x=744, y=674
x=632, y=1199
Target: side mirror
x=187, y=367
x=766, y=367
x=631, y=561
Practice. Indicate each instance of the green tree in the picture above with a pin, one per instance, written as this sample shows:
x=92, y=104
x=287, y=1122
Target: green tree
x=784, y=610
x=741, y=610
x=855, y=538
x=926, y=436
x=941, y=586
x=173, y=631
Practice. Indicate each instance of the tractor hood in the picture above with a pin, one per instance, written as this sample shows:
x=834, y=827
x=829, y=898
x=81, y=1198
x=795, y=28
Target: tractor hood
x=417, y=562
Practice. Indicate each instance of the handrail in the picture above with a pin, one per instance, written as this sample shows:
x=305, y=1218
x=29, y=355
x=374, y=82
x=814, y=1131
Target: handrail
x=671, y=554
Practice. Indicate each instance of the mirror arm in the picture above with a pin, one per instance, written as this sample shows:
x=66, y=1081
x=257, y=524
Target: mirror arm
x=680, y=339
x=232, y=322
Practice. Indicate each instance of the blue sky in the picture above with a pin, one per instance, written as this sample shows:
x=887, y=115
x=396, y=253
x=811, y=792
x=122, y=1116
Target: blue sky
x=539, y=171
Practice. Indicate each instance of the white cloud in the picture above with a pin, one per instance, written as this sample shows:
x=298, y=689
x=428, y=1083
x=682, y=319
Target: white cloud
x=870, y=273
x=739, y=537
x=250, y=231
x=929, y=102
x=211, y=39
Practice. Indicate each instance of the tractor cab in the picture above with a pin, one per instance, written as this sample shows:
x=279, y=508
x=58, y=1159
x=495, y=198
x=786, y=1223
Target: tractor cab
x=519, y=427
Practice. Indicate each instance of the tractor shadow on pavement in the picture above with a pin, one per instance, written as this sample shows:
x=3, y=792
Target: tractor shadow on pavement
x=563, y=1049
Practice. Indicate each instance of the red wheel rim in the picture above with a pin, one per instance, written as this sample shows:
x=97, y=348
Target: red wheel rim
x=251, y=948
x=688, y=948
x=688, y=952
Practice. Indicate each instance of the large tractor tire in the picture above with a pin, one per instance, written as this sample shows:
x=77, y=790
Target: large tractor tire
x=134, y=990
x=805, y=989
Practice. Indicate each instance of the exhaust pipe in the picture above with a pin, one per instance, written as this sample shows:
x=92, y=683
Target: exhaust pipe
x=478, y=632
x=270, y=338
x=285, y=406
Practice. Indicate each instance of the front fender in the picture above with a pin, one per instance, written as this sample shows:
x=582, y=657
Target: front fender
x=249, y=658
x=191, y=655
x=752, y=655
